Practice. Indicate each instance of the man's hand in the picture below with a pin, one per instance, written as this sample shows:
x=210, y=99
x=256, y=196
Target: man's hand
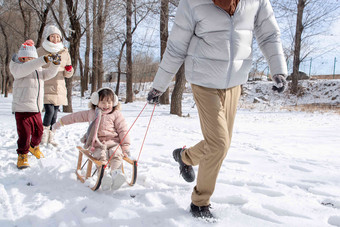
x=153, y=96
x=280, y=83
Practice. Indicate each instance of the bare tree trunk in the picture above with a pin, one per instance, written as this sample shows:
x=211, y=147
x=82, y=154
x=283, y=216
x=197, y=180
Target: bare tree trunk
x=102, y=15
x=81, y=70
x=129, y=80
x=297, y=46
x=85, y=78
x=3, y=75
x=74, y=47
x=8, y=79
x=100, y=27
x=61, y=12
x=94, y=79
x=164, y=33
x=119, y=67
x=25, y=19
x=177, y=94
x=61, y=24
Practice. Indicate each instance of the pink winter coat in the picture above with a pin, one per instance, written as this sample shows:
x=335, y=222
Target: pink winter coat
x=112, y=127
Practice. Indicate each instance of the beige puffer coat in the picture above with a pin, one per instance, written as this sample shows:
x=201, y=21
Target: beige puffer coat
x=55, y=88
x=28, y=86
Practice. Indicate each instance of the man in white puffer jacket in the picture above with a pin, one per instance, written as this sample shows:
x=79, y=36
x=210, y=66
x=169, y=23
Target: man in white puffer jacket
x=214, y=39
x=28, y=96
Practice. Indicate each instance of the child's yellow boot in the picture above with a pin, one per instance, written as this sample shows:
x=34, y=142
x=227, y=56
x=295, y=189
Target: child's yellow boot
x=36, y=152
x=22, y=161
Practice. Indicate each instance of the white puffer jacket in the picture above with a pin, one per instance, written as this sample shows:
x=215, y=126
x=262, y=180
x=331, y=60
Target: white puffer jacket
x=217, y=47
x=28, y=85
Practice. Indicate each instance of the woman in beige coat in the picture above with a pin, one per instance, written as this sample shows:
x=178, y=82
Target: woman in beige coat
x=55, y=88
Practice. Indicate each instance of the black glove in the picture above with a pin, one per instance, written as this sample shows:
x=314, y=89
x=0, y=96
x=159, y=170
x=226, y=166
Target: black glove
x=279, y=83
x=153, y=96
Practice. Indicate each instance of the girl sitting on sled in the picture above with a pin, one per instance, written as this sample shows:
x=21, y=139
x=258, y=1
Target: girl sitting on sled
x=106, y=131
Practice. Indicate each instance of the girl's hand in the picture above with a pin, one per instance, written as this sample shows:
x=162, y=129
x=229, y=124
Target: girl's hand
x=126, y=153
x=56, y=126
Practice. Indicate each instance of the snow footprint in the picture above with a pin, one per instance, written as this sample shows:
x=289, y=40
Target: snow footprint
x=283, y=212
x=267, y=192
x=334, y=220
x=238, y=162
x=237, y=200
x=256, y=213
x=158, y=199
x=294, y=167
x=6, y=208
x=331, y=203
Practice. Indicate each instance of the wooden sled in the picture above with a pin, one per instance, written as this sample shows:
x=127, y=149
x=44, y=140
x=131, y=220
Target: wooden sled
x=100, y=168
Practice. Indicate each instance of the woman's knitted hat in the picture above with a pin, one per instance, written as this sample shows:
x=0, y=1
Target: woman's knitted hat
x=27, y=49
x=51, y=29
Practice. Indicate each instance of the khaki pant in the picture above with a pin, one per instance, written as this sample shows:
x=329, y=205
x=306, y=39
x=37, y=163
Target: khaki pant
x=216, y=110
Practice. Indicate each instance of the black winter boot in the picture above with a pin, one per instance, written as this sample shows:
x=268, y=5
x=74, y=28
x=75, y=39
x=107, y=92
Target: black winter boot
x=186, y=171
x=201, y=212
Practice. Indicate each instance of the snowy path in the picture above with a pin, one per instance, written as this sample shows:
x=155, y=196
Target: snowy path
x=283, y=169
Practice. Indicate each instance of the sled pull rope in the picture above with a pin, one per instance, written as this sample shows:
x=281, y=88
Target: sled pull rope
x=146, y=131
x=128, y=133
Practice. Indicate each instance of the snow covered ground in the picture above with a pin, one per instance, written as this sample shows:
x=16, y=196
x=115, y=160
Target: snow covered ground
x=283, y=169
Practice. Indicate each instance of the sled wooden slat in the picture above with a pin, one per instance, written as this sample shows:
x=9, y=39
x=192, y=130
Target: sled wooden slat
x=89, y=156
x=100, y=168
x=134, y=170
x=89, y=169
x=99, y=165
x=80, y=157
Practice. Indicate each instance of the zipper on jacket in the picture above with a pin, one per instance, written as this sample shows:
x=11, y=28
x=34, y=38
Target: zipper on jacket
x=231, y=38
x=36, y=72
x=231, y=52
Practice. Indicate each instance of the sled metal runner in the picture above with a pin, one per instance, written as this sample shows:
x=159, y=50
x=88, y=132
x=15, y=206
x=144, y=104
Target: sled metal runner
x=100, y=168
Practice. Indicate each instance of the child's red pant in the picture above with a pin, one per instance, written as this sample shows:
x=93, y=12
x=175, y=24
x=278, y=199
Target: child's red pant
x=30, y=130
